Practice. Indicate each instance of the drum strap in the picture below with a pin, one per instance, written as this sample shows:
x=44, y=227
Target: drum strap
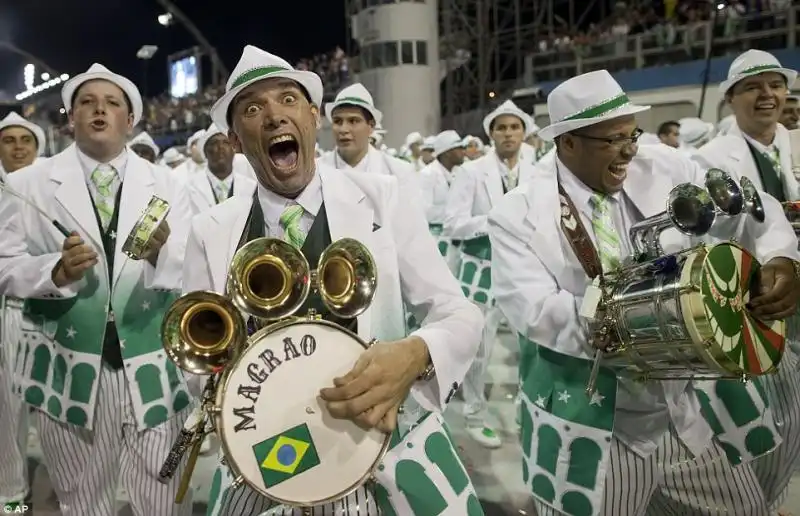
x=578, y=237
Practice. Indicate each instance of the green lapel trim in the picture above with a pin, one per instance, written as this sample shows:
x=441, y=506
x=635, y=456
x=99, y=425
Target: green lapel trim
x=600, y=109
x=255, y=73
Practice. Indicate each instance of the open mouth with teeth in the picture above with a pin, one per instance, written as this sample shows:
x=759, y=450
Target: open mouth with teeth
x=283, y=152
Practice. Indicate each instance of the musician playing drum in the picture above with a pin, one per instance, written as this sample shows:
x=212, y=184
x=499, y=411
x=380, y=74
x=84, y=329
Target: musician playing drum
x=629, y=446
x=760, y=148
x=271, y=112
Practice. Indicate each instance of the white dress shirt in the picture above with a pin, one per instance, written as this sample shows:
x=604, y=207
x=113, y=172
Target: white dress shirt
x=644, y=410
x=273, y=205
x=89, y=165
x=216, y=182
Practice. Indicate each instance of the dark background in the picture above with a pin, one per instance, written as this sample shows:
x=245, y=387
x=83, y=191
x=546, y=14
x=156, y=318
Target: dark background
x=69, y=35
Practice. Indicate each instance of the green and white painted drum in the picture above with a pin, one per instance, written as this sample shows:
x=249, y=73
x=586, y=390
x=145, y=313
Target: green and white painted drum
x=442, y=242
x=685, y=315
x=475, y=270
x=139, y=238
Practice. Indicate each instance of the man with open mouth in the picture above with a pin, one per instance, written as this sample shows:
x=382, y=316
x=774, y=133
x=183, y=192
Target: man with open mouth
x=107, y=401
x=622, y=445
x=271, y=114
x=758, y=147
x=21, y=141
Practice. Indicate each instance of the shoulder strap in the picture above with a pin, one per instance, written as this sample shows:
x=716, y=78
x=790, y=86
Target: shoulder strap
x=578, y=237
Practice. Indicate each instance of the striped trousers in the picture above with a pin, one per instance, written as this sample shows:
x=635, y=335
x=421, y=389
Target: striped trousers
x=246, y=502
x=13, y=412
x=775, y=470
x=670, y=482
x=85, y=466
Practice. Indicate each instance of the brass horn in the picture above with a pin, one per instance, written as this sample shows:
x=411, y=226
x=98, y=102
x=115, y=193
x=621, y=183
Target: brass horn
x=726, y=194
x=752, y=200
x=202, y=332
x=346, y=278
x=268, y=279
x=689, y=209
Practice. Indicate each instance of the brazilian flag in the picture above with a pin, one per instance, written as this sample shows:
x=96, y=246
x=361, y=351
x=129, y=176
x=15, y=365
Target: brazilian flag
x=286, y=455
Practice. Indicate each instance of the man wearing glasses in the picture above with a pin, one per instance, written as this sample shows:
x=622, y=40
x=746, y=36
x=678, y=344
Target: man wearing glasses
x=629, y=447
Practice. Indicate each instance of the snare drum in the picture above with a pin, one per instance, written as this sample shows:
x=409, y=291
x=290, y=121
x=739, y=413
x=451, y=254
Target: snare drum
x=139, y=237
x=684, y=316
x=277, y=435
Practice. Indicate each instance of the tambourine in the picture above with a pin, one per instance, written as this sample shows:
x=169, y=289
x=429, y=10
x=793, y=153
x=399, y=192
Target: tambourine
x=139, y=238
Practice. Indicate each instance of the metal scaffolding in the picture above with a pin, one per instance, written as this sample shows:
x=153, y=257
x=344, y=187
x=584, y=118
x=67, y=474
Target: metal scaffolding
x=498, y=34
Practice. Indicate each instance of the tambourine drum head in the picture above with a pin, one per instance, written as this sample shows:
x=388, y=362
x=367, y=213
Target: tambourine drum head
x=277, y=433
x=729, y=278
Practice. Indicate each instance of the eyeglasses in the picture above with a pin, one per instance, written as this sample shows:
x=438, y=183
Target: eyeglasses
x=616, y=142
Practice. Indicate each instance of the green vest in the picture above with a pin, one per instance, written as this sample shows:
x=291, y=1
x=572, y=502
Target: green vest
x=566, y=434
x=62, y=340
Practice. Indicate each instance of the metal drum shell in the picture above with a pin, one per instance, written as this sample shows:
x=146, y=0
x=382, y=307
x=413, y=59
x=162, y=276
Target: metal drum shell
x=692, y=352
x=224, y=385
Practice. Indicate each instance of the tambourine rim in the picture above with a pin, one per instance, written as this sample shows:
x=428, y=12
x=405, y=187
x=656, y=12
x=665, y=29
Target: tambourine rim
x=715, y=353
x=223, y=387
x=130, y=240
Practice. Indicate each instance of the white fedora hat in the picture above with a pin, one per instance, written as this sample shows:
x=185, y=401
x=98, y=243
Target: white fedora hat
x=354, y=95
x=427, y=143
x=586, y=100
x=694, y=131
x=14, y=120
x=413, y=138
x=754, y=62
x=506, y=108
x=207, y=134
x=194, y=138
x=100, y=72
x=257, y=65
x=173, y=155
x=145, y=139
x=447, y=140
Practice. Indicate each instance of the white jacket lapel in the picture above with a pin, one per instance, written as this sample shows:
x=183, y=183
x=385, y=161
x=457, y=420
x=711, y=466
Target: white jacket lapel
x=791, y=189
x=137, y=189
x=244, y=186
x=73, y=195
x=348, y=217
x=230, y=218
x=493, y=180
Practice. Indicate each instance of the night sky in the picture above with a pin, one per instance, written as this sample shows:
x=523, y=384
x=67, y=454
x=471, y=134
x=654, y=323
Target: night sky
x=69, y=35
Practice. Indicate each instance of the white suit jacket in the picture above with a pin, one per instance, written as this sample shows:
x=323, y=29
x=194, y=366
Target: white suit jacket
x=368, y=208
x=475, y=190
x=730, y=153
x=202, y=196
x=435, y=184
x=536, y=278
x=30, y=245
x=379, y=162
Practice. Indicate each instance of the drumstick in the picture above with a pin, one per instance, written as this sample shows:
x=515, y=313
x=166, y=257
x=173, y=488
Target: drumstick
x=190, y=464
x=64, y=231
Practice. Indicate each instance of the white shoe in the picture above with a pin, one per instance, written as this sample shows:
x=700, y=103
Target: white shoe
x=485, y=436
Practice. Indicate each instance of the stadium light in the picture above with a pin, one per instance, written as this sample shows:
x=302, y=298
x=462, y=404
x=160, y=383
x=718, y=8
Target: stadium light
x=29, y=74
x=32, y=90
x=165, y=19
x=45, y=76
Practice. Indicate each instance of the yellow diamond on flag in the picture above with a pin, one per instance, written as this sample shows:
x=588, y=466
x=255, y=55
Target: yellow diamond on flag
x=285, y=455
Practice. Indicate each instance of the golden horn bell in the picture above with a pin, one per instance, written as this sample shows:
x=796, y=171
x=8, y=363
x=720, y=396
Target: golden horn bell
x=202, y=332
x=268, y=279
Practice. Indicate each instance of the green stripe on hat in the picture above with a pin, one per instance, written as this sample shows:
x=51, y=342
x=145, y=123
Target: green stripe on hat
x=600, y=109
x=255, y=73
x=352, y=100
x=759, y=69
